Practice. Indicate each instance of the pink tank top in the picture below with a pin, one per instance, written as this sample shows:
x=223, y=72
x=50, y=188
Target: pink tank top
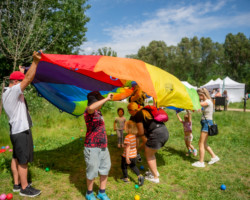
x=187, y=126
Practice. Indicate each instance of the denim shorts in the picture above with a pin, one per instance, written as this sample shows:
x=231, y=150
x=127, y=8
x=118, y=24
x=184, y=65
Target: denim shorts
x=204, y=124
x=97, y=160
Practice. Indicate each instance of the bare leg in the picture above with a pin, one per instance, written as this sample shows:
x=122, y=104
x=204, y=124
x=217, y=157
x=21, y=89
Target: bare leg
x=150, y=156
x=209, y=149
x=202, y=140
x=90, y=184
x=23, y=172
x=103, y=181
x=14, y=169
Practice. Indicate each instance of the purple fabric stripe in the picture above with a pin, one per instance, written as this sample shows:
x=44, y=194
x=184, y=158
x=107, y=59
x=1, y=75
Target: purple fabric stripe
x=51, y=73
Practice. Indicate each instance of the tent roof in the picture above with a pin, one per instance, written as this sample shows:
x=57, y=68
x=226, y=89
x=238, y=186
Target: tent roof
x=187, y=84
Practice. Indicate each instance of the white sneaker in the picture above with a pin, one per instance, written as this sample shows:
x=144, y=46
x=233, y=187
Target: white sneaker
x=198, y=164
x=149, y=173
x=214, y=160
x=152, y=179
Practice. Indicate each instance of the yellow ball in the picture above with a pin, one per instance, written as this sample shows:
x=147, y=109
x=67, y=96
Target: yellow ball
x=137, y=197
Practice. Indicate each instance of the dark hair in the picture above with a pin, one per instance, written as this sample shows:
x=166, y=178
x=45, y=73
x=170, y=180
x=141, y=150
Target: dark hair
x=120, y=109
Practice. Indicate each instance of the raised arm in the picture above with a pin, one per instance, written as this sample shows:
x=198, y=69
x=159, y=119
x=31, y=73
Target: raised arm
x=177, y=114
x=98, y=104
x=189, y=116
x=32, y=71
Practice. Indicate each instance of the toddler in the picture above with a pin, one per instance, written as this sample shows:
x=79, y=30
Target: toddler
x=119, y=125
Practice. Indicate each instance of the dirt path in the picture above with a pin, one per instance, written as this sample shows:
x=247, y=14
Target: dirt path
x=238, y=109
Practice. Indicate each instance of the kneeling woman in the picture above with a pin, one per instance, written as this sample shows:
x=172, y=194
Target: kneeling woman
x=156, y=134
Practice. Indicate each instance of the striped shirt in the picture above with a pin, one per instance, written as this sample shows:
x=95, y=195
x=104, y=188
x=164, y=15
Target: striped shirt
x=131, y=141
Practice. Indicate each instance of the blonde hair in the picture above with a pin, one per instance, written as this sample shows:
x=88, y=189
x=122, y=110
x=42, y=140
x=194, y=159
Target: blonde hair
x=134, y=106
x=131, y=128
x=204, y=91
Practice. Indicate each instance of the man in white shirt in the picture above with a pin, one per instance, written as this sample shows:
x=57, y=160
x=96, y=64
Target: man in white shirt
x=20, y=123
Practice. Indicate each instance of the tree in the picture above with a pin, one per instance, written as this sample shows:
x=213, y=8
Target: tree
x=105, y=51
x=28, y=25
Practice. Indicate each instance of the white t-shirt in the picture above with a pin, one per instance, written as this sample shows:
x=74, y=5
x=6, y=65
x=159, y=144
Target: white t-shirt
x=208, y=110
x=15, y=108
x=120, y=122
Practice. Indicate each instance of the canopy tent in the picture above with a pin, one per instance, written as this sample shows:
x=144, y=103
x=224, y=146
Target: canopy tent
x=187, y=84
x=235, y=90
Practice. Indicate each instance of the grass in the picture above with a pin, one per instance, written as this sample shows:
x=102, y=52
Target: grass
x=240, y=104
x=59, y=142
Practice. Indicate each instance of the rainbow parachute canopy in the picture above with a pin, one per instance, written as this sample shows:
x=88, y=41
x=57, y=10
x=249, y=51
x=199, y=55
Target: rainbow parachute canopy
x=65, y=81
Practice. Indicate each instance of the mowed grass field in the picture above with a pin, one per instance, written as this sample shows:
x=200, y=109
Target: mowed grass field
x=59, y=143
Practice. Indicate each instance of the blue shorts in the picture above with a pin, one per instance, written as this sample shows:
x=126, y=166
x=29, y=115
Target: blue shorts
x=204, y=124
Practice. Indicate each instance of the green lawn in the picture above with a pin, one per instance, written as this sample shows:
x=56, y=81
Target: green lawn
x=59, y=138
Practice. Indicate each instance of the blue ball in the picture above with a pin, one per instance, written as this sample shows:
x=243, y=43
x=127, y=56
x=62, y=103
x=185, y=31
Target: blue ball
x=142, y=167
x=222, y=187
x=3, y=147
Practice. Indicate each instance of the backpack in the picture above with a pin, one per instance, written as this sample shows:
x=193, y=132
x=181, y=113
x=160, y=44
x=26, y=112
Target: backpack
x=158, y=114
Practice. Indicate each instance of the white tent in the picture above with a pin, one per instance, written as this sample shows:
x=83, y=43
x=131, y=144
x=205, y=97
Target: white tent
x=187, y=84
x=235, y=90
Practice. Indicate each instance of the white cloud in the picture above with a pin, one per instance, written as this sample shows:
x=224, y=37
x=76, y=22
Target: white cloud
x=169, y=25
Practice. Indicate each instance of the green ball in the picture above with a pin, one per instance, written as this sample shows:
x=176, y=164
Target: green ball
x=136, y=186
x=47, y=169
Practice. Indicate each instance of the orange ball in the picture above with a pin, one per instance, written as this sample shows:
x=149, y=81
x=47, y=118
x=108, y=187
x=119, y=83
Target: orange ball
x=137, y=197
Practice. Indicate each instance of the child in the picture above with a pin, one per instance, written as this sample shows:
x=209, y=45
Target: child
x=119, y=126
x=130, y=153
x=187, y=125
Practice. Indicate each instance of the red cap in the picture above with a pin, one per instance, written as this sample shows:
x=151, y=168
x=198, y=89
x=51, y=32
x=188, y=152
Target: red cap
x=17, y=75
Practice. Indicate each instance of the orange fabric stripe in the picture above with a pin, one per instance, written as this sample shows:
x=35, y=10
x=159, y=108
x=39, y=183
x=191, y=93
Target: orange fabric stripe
x=129, y=69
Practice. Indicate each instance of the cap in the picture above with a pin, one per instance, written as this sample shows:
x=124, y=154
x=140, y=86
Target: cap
x=94, y=97
x=17, y=75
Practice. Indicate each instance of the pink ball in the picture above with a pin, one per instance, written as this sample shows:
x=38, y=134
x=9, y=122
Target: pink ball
x=10, y=150
x=7, y=147
x=3, y=197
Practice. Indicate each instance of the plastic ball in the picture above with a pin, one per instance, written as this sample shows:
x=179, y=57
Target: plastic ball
x=72, y=138
x=9, y=196
x=2, y=150
x=81, y=130
x=142, y=167
x=137, y=197
x=7, y=147
x=2, y=196
x=222, y=187
x=3, y=147
x=47, y=169
x=10, y=150
x=136, y=186
x=80, y=138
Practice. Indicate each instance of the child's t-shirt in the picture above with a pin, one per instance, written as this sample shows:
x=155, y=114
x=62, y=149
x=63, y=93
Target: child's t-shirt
x=131, y=140
x=187, y=126
x=120, y=122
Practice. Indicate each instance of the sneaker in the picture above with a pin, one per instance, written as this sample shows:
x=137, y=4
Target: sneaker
x=140, y=180
x=90, y=196
x=195, y=152
x=214, y=160
x=198, y=164
x=17, y=188
x=29, y=192
x=102, y=196
x=126, y=180
x=139, y=157
x=152, y=179
x=149, y=173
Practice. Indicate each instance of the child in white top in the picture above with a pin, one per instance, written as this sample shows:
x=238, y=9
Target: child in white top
x=119, y=126
x=188, y=137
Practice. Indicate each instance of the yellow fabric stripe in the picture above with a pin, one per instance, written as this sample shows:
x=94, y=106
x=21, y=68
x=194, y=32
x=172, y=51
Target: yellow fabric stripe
x=169, y=90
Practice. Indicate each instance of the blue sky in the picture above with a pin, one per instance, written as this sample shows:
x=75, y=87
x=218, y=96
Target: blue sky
x=126, y=25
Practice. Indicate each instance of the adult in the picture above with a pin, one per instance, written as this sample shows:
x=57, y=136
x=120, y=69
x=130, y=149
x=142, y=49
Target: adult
x=156, y=134
x=218, y=94
x=213, y=93
x=20, y=123
x=207, y=119
x=96, y=151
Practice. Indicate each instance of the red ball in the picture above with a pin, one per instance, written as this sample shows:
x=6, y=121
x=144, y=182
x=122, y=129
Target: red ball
x=9, y=196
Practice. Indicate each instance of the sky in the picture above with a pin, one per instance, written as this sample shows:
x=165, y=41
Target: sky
x=127, y=25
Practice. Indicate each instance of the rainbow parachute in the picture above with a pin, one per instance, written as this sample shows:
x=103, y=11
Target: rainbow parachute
x=65, y=81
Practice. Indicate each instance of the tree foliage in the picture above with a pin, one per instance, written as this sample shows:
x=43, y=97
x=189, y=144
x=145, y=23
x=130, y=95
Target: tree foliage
x=199, y=60
x=28, y=25
x=105, y=51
